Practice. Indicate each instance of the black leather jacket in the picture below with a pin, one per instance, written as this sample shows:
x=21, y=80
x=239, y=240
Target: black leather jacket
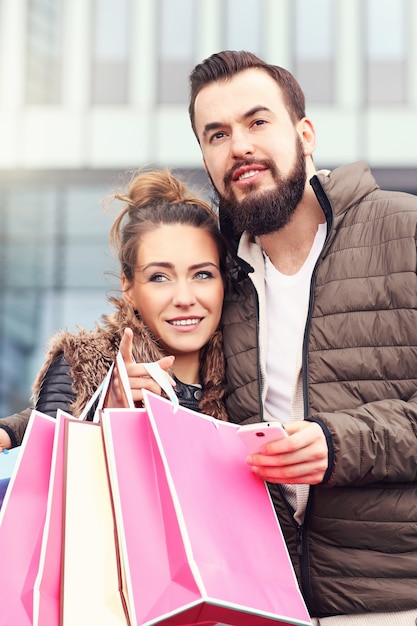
x=56, y=390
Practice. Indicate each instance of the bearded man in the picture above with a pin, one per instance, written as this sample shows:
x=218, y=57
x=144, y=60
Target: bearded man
x=320, y=332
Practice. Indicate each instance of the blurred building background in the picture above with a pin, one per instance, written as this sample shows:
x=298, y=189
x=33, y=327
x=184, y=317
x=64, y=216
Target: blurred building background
x=90, y=89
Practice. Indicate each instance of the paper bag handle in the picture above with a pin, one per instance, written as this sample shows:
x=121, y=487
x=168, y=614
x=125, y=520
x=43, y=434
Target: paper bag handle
x=159, y=375
x=155, y=371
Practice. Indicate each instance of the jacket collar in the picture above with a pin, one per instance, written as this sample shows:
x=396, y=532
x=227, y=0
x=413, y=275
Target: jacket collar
x=340, y=189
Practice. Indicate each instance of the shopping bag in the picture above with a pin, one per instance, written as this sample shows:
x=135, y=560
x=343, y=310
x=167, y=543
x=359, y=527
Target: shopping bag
x=92, y=579
x=46, y=593
x=47, y=588
x=8, y=460
x=200, y=540
x=22, y=518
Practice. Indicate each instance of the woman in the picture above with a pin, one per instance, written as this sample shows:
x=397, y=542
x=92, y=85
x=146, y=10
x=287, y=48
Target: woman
x=172, y=260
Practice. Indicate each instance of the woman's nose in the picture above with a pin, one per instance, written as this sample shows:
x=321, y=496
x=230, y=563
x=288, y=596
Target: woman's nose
x=184, y=294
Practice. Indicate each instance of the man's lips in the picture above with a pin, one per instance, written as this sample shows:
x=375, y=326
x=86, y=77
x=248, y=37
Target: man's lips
x=246, y=172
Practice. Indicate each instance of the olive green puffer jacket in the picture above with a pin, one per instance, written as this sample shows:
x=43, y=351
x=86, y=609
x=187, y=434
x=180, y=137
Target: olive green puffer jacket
x=357, y=548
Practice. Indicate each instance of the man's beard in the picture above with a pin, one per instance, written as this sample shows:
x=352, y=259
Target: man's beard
x=265, y=212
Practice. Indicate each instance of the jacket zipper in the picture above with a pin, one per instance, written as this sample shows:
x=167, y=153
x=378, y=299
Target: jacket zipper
x=260, y=378
x=325, y=205
x=302, y=530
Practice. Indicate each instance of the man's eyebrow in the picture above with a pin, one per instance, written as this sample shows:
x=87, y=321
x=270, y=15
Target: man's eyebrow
x=212, y=126
x=253, y=111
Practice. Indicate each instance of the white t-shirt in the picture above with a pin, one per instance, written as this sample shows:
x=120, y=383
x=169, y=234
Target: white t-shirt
x=287, y=299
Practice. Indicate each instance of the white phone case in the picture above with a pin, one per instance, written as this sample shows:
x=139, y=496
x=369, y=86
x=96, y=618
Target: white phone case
x=256, y=435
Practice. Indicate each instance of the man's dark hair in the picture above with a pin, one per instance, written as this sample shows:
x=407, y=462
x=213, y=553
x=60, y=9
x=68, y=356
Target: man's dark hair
x=224, y=65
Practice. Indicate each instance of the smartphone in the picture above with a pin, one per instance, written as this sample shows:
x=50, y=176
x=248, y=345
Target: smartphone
x=256, y=435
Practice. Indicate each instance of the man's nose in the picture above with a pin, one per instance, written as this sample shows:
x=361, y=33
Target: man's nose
x=241, y=145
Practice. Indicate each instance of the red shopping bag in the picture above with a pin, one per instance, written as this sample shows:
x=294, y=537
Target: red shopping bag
x=199, y=538
x=22, y=518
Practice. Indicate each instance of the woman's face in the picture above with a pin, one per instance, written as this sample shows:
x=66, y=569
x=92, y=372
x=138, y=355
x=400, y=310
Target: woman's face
x=177, y=287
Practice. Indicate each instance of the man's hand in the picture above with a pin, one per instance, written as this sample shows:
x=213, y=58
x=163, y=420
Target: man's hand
x=139, y=378
x=301, y=458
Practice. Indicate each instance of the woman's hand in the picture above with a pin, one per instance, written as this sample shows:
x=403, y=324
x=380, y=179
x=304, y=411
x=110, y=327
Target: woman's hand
x=139, y=378
x=5, y=441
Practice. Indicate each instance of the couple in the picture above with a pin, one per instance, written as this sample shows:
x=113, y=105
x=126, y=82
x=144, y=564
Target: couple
x=319, y=327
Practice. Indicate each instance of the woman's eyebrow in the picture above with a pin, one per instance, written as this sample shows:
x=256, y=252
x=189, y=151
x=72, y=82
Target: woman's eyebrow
x=168, y=265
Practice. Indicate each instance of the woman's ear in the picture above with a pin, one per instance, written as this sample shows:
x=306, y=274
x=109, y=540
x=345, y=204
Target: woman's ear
x=127, y=291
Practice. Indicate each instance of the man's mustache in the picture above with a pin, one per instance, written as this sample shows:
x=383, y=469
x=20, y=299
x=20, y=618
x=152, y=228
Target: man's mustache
x=244, y=163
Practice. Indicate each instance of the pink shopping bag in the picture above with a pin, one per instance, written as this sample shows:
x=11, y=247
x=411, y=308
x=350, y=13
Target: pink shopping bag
x=47, y=610
x=198, y=533
x=22, y=518
x=46, y=604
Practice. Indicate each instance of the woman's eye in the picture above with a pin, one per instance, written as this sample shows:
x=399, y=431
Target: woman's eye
x=157, y=278
x=203, y=275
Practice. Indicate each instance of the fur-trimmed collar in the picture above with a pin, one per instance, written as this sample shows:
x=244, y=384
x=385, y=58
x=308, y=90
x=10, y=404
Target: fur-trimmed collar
x=91, y=353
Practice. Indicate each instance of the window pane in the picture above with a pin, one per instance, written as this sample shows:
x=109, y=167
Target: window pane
x=386, y=51
x=26, y=242
x=110, y=52
x=86, y=256
x=176, y=49
x=43, y=52
x=19, y=313
x=54, y=259
x=313, y=53
x=27, y=268
x=244, y=33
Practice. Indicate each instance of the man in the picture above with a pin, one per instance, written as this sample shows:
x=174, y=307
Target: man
x=320, y=331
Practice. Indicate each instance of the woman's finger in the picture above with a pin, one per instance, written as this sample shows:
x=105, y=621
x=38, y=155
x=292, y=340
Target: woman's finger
x=126, y=346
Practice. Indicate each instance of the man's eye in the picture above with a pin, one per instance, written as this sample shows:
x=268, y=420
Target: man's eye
x=217, y=136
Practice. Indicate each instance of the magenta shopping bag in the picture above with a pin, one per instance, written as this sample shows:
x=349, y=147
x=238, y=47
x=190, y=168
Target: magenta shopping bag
x=22, y=518
x=47, y=601
x=199, y=539
x=46, y=597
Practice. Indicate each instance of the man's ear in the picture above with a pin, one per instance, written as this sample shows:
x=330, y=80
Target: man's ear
x=307, y=132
